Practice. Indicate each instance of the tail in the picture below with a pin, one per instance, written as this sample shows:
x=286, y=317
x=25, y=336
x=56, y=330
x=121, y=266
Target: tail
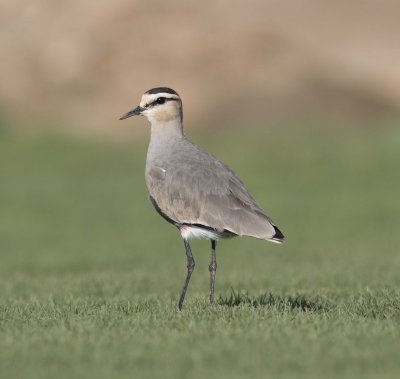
x=278, y=236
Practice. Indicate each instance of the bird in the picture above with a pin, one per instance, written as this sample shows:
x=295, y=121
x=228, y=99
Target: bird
x=192, y=189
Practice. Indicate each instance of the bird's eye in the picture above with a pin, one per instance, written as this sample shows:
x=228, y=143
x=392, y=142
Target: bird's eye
x=161, y=100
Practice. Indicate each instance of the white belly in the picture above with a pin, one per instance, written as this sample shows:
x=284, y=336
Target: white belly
x=189, y=231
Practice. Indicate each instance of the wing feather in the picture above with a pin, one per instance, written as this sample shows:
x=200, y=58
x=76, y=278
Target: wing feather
x=200, y=189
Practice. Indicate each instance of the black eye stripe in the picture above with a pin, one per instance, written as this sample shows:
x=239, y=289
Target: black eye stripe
x=156, y=101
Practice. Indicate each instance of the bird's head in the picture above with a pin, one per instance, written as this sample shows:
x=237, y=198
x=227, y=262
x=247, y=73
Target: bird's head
x=161, y=104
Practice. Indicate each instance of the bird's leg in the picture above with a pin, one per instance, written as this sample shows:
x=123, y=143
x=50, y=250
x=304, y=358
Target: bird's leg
x=190, y=268
x=212, y=268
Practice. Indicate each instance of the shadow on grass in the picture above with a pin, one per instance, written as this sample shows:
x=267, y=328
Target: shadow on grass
x=281, y=303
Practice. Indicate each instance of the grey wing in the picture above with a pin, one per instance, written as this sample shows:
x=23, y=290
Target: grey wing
x=206, y=192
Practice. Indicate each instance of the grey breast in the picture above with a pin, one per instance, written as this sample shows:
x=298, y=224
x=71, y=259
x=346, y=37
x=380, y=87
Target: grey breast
x=190, y=186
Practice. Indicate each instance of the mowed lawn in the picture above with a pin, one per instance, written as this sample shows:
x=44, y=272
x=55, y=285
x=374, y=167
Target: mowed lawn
x=90, y=275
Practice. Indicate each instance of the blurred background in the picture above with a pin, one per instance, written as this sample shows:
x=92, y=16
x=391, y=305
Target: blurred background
x=301, y=98
x=84, y=64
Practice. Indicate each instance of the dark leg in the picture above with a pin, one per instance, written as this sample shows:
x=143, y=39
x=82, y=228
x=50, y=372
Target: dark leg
x=213, y=268
x=190, y=268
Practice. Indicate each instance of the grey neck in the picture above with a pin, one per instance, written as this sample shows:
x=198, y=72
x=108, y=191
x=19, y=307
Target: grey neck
x=164, y=138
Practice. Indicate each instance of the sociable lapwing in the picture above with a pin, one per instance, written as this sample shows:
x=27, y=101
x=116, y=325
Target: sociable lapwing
x=193, y=190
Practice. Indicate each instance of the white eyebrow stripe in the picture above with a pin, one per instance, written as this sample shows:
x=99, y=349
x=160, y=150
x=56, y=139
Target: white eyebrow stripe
x=149, y=99
x=153, y=97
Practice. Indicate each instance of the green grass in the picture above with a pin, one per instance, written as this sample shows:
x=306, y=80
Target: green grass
x=90, y=274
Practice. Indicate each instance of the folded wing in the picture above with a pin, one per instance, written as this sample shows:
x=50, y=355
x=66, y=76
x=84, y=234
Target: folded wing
x=203, y=190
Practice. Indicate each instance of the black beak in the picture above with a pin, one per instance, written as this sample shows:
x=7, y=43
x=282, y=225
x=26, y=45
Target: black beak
x=134, y=112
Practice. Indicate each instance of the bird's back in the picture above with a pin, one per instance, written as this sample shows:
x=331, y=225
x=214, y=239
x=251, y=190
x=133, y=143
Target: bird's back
x=190, y=186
